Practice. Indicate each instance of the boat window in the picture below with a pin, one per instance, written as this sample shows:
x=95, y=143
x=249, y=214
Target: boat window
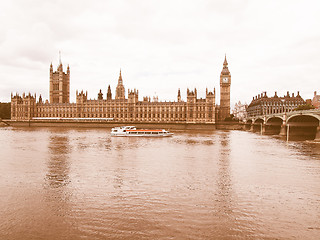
x=115, y=130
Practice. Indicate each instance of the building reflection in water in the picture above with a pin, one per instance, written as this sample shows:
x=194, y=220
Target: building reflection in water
x=58, y=164
x=58, y=195
x=225, y=194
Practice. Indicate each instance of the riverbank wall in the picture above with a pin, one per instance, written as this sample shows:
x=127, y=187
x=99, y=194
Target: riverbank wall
x=230, y=126
x=89, y=124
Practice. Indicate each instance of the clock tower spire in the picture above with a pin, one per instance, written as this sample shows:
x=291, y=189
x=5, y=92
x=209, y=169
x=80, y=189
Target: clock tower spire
x=225, y=82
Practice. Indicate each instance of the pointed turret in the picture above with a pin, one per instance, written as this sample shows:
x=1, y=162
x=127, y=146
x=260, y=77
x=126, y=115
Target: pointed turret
x=179, y=95
x=109, y=94
x=120, y=91
x=225, y=69
x=120, y=78
x=225, y=60
x=100, y=95
x=275, y=95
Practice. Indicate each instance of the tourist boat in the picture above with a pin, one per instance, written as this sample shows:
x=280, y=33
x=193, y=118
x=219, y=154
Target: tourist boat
x=132, y=131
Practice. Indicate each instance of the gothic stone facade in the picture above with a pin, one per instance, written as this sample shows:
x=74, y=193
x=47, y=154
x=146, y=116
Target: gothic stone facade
x=262, y=104
x=59, y=85
x=120, y=108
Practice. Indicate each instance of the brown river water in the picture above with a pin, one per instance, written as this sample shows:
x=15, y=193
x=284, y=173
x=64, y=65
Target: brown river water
x=64, y=183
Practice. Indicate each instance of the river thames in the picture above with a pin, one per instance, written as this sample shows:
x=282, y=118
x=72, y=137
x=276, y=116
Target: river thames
x=80, y=183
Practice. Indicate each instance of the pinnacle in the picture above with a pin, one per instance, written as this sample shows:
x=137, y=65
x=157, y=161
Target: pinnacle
x=60, y=58
x=225, y=60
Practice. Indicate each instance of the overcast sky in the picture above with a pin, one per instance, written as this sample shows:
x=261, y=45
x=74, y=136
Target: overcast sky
x=161, y=46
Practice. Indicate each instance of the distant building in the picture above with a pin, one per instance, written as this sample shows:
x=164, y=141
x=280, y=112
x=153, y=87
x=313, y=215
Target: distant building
x=316, y=100
x=120, y=108
x=308, y=101
x=240, y=111
x=262, y=104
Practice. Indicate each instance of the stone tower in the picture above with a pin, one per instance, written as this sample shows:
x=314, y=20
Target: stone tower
x=59, y=85
x=191, y=105
x=225, y=82
x=120, y=89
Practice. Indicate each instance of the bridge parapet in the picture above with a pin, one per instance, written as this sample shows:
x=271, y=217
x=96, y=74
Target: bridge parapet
x=286, y=116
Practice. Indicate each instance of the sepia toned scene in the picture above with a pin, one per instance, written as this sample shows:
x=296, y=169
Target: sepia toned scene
x=159, y=120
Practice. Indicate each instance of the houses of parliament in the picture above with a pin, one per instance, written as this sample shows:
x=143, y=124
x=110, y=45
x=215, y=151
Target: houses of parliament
x=124, y=109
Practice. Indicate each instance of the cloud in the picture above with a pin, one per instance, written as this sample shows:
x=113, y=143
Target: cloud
x=161, y=45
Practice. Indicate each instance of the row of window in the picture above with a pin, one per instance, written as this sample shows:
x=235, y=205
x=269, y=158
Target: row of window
x=121, y=115
x=282, y=103
x=260, y=111
x=120, y=109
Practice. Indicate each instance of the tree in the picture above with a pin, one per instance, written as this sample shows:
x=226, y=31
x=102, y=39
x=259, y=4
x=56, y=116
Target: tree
x=304, y=107
x=231, y=118
x=5, y=110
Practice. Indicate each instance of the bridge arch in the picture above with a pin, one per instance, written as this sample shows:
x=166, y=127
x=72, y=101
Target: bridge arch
x=258, y=121
x=248, y=121
x=273, y=125
x=303, y=126
x=248, y=124
x=274, y=120
x=307, y=117
x=257, y=124
x=274, y=117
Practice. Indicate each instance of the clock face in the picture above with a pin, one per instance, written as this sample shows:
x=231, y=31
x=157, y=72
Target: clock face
x=225, y=80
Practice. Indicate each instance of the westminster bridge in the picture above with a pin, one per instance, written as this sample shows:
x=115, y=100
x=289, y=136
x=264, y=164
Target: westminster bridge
x=304, y=123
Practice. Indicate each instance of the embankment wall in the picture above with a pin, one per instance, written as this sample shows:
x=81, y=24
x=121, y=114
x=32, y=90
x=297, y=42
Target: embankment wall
x=178, y=126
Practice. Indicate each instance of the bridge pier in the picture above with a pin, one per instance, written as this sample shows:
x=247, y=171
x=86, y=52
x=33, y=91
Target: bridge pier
x=283, y=130
x=251, y=128
x=318, y=134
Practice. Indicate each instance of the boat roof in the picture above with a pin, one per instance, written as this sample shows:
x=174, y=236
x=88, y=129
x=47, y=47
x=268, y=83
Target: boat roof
x=145, y=130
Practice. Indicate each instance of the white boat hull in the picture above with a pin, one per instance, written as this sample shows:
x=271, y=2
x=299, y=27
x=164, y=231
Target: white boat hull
x=142, y=135
x=131, y=131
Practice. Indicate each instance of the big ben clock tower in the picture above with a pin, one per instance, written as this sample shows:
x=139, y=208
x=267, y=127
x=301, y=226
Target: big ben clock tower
x=225, y=82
